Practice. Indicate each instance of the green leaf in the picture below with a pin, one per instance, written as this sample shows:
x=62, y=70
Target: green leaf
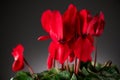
x=22, y=73
x=45, y=78
x=73, y=77
x=23, y=77
x=53, y=71
x=44, y=73
x=87, y=72
x=92, y=77
x=79, y=77
x=84, y=71
x=64, y=75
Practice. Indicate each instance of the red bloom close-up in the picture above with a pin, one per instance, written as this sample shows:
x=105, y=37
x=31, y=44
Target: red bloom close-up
x=17, y=53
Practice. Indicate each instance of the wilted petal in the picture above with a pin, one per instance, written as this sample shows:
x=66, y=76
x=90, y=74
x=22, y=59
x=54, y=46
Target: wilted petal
x=46, y=20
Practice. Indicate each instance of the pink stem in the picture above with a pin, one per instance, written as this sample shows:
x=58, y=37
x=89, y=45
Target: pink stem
x=54, y=63
x=77, y=66
x=95, y=55
x=67, y=65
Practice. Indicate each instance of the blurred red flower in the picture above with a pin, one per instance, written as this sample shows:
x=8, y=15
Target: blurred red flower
x=17, y=53
x=93, y=26
x=96, y=25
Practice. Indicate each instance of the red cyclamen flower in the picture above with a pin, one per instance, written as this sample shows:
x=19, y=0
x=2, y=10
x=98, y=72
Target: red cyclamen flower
x=61, y=29
x=17, y=53
x=96, y=25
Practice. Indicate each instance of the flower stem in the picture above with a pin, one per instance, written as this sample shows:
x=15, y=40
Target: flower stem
x=29, y=67
x=95, y=55
x=75, y=65
x=62, y=66
x=67, y=66
x=54, y=63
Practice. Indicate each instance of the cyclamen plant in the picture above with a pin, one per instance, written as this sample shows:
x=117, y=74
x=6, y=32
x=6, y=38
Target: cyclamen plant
x=72, y=34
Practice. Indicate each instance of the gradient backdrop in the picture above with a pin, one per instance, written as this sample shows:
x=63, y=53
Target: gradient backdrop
x=20, y=23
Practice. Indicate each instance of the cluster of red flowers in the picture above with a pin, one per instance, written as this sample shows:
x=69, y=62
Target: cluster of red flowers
x=71, y=33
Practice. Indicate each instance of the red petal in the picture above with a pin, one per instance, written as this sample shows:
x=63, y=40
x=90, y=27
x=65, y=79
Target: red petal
x=96, y=25
x=78, y=25
x=93, y=26
x=100, y=28
x=63, y=53
x=46, y=20
x=85, y=18
x=18, y=57
x=49, y=62
x=86, y=50
x=56, y=29
x=53, y=50
x=69, y=21
x=71, y=57
x=78, y=47
x=43, y=37
x=18, y=65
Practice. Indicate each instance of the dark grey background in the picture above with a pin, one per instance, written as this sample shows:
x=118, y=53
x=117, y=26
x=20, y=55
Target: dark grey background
x=20, y=23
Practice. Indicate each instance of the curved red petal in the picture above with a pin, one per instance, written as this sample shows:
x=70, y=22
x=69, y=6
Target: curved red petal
x=100, y=28
x=53, y=47
x=17, y=53
x=63, y=53
x=43, y=37
x=49, y=62
x=96, y=25
x=69, y=22
x=56, y=29
x=85, y=18
x=78, y=47
x=18, y=64
x=46, y=20
x=92, y=26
